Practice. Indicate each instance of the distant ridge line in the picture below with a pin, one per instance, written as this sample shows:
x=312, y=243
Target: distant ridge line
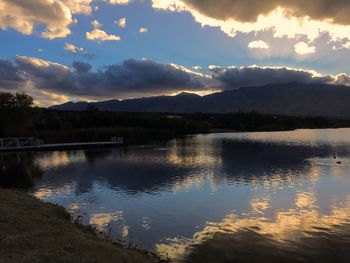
x=293, y=99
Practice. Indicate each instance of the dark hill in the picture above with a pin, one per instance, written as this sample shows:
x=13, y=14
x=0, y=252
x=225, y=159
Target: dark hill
x=292, y=99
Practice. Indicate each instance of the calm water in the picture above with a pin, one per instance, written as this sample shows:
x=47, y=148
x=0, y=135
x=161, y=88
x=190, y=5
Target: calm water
x=236, y=197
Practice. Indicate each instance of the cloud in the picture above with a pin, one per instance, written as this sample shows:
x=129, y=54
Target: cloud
x=143, y=30
x=136, y=78
x=121, y=22
x=44, y=98
x=73, y=48
x=235, y=77
x=248, y=11
x=295, y=19
x=96, y=24
x=258, y=44
x=41, y=72
x=119, y=2
x=342, y=79
x=303, y=48
x=129, y=79
x=79, y=6
x=81, y=67
x=55, y=15
x=10, y=76
x=101, y=36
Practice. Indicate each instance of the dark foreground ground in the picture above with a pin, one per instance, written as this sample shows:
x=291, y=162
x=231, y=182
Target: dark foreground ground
x=33, y=231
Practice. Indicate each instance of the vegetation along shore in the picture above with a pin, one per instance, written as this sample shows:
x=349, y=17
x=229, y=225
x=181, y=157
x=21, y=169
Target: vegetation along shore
x=20, y=119
x=34, y=231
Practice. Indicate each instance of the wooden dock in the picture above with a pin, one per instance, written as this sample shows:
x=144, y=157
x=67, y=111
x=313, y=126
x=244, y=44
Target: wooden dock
x=32, y=144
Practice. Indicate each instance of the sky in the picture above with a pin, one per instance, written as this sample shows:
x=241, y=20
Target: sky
x=63, y=50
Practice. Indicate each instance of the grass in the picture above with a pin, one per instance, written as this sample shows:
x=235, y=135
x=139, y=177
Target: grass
x=34, y=231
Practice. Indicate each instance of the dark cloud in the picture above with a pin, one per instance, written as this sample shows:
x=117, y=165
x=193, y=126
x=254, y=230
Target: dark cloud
x=132, y=77
x=81, y=67
x=258, y=76
x=136, y=78
x=10, y=77
x=249, y=10
x=46, y=75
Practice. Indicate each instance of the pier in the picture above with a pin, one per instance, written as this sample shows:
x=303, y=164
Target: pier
x=31, y=143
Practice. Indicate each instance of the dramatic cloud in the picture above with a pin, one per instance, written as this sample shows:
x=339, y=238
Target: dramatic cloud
x=81, y=67
x=10, y=77
x=131, y=78
x=54, y=15
x=234, y=77
x=295, y=19
x=136, y=78
x=44, y=73
x=249, y=10
x=258, y=44
x=121, y=22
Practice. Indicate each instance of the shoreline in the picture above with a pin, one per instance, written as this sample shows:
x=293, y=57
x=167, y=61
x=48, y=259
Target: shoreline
x=34, y=231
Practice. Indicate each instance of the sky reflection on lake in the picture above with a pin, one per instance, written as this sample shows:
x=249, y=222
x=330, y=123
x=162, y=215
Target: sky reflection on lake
x=214, y=198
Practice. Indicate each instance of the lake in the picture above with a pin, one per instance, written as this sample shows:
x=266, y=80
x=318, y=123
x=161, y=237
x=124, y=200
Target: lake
x=229, y=197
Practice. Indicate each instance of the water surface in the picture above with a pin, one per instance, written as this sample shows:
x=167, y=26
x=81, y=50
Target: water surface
x=232, y=197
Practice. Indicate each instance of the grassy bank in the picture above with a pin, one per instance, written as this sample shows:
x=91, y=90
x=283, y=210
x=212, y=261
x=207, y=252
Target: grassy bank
x=33, y=231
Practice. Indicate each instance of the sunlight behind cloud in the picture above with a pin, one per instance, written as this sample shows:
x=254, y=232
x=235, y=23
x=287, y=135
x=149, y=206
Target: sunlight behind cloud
x=258, y=44
x=282, y=25
x=118, y=2
x=303, y=48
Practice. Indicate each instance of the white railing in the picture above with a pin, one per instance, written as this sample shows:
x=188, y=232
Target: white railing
x=117, y=139
x=17, y=142
x=31, y=142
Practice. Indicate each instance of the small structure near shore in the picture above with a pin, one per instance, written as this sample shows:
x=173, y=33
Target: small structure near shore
x=31, y=143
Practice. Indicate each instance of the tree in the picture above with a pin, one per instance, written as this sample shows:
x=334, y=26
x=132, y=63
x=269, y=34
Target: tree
x=23, y=100
x=16, y=114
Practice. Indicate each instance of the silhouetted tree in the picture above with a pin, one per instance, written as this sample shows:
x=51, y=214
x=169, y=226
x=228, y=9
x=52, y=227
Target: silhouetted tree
x=16, y=114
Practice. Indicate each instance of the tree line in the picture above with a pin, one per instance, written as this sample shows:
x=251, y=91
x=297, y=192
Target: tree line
x=18, y=117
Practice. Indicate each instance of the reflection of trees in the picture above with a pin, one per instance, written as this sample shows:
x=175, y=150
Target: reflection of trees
x=93, y=156
x=138, y=170
x=18, y=171
x=248, y=160
x=135, y=171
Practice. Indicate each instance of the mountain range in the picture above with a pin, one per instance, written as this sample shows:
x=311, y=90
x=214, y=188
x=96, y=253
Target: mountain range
x=293, y=99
